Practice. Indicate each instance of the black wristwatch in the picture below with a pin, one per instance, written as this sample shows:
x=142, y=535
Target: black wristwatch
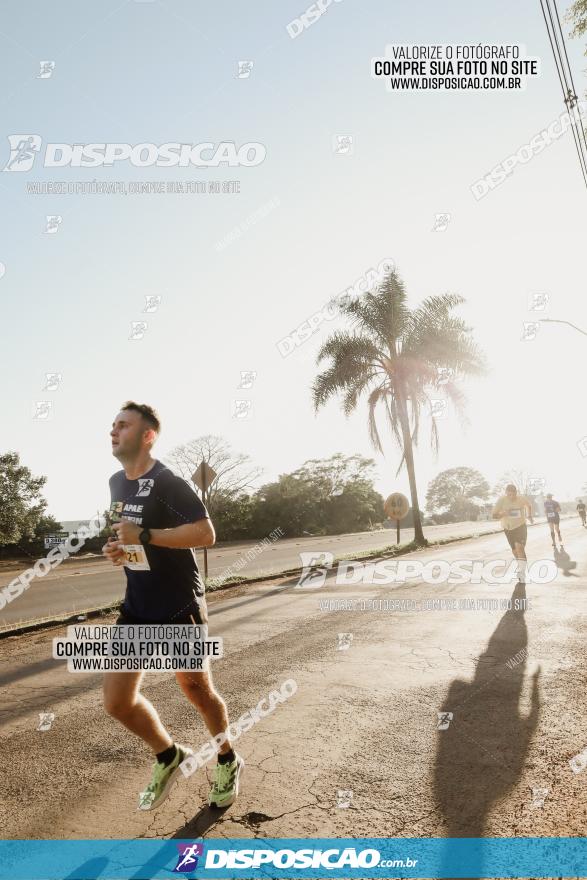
x=145, y=536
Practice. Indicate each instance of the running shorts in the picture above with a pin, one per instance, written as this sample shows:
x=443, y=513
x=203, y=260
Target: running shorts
x=517, y=535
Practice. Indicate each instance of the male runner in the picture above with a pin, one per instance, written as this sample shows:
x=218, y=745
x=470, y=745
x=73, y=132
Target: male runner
x=582, y=510
x=552, y=511
x=512, y=509
x=160, y=520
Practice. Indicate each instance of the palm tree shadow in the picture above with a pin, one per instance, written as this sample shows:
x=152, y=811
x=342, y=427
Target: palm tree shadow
x=481, y=755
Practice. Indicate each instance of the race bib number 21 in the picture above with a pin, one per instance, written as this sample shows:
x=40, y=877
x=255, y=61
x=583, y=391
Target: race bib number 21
x=135, y=557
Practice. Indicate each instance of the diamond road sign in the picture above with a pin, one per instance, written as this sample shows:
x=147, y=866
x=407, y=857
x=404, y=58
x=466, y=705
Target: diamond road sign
x=204, y=476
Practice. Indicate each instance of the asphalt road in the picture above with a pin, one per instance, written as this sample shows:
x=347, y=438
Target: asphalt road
x=78, y=586
x=364, y=720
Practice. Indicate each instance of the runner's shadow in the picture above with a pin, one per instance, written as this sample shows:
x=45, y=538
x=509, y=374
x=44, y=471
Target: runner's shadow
x=564, y=562
x=93, y=868
x=201, y=822
x=195, y=828
x=481, y=754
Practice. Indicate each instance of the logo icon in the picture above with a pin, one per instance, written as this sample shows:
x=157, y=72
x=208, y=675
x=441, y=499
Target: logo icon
x=344, y=798
x=116, y=511
x=441, y=222
x=52, y=381
x=45, y=721
x=444, y=719
x=343, y=145
x=314, y=569
x=241, y=409
x=42, y=410
x=152, y=303
x=245, y=68
x=247, y=379
x=23, y=149
x=579, y=762
x=438, y=408
x=138, y=329
x=54, y=221
x=187, y=860
x=538, y=797
x=344, y=641
x=537, y=302
x=47, y=68
x=444, y=375
x=536, y=485
x=529, y=330
x=145, y=486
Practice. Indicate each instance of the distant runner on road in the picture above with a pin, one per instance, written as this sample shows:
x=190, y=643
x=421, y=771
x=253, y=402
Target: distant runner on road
x=513, y=509
x=160, y=519
x=552, y=511
x=582, y=510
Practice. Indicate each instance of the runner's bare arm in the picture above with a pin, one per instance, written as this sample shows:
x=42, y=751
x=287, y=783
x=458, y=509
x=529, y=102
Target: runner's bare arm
x=497, y=511
x=196, y=534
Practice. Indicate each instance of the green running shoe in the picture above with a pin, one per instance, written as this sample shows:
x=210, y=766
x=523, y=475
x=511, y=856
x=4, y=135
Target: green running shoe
x=224, y=789
x=162, y=780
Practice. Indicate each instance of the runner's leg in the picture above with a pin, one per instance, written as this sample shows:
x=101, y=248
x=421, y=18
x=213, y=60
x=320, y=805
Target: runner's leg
x=123, y=701
x=200, y=691
x=520, y=554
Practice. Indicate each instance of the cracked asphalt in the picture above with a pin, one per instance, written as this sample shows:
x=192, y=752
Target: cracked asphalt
x=364, y=720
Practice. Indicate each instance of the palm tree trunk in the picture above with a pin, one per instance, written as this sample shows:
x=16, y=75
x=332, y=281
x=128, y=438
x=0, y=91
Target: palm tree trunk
x=419, y=538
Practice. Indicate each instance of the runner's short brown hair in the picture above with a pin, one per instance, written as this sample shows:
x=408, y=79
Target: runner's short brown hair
x=147, y=412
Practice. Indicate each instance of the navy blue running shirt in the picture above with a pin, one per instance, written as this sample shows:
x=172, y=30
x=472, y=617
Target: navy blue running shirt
x=172, y=590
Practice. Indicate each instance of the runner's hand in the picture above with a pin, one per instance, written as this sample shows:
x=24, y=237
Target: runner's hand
x=113, y=551
x=127, y=531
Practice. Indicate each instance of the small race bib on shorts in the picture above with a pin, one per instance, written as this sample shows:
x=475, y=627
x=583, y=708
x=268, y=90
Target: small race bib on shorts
x=135, y=557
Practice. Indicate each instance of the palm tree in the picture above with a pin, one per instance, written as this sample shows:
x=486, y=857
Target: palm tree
x=397, y=355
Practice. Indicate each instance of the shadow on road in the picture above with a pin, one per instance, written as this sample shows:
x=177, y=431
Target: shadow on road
x=201, y=822
x=564, y=562
x=193, y=829
x=481, y=753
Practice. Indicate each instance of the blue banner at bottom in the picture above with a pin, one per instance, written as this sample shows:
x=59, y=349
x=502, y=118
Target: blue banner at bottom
x=297, y=857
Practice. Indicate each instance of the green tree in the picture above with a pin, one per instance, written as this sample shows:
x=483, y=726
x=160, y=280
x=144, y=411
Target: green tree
x=232, y=516
x=327, y=496
x=21, y=504
x=457, y=493
x=35, y=545
x=397, y=356
x=289, y=503
x=577, y=16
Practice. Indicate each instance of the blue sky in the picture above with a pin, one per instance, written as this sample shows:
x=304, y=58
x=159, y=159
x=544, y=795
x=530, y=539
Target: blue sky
x=159, y=72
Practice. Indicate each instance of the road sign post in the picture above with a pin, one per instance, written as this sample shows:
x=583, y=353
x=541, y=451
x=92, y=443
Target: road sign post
x=203, y=477
x=396, y=507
